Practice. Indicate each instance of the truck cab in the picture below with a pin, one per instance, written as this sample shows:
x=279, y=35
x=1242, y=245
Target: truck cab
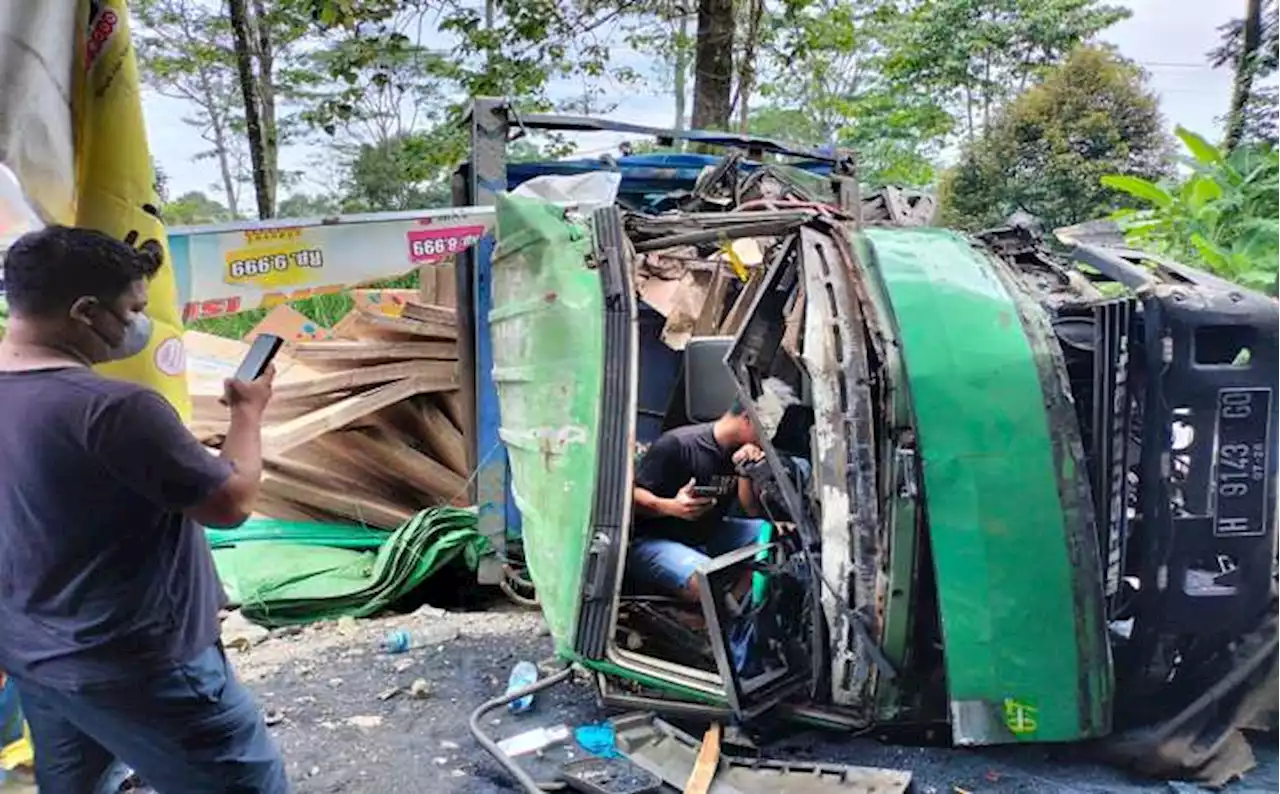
x=994, y=468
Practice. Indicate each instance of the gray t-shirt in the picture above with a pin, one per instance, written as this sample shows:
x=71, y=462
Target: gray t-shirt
x=102, y=577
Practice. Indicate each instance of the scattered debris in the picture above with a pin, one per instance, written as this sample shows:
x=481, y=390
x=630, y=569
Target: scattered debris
x=673, y=755
x=535, y=740
x=419, y=689
x=396, y=641
x=273, y=717
x=387, y=694
x=705, y=765
x=522, y=675
x=598, y=740
x=609, y=776
x=365, y=721
x=239, y=633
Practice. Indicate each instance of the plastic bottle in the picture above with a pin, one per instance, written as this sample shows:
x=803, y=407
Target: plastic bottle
x=397, y=641
x=522, y=675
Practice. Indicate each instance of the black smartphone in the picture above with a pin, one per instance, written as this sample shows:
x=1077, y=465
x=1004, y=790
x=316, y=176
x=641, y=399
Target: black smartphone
x=263, y=349
x=707, y=491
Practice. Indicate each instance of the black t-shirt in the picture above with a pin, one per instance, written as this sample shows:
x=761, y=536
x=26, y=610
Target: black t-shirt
x=686, y=453
x=102, y=578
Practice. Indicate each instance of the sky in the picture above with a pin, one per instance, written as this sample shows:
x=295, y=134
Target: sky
x=1168, y=38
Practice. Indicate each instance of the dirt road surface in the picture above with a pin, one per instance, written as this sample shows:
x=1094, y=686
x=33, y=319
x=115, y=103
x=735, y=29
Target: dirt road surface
x=350, y=718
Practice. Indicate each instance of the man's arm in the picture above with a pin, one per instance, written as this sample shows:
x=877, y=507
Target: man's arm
x=648, y=503
x=141, y=440
x=747, y=497
x=748, y=455
x=659, y=464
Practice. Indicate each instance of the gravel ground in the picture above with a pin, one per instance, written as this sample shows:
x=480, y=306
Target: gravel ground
x=349, y=719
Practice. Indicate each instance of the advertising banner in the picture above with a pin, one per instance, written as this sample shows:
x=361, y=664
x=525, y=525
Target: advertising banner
x=235, y=267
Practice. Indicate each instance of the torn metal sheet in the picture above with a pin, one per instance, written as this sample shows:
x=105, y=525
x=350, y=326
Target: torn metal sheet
x=666, y=751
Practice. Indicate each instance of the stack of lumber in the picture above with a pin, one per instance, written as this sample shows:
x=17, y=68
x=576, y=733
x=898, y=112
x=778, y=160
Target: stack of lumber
x=365, y=425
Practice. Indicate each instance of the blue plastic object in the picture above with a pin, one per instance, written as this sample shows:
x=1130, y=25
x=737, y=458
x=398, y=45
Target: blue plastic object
x=599, y=740
x=522, y=675
x=397, y=641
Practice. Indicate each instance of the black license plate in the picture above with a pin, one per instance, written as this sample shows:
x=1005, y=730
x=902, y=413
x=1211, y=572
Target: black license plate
x=1241, y=462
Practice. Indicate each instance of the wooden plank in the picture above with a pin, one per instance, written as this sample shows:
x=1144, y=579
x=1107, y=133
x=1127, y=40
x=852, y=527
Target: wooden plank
x=454, y=408
x=443, y=372
x=708, y=322
x=285, y=436
x=738, y=312
x=446, y=285
x=404, y=325
x=272, y=507
x=376, y=513
x=315, y=466
x=374, y=350
x=441, y=437
x=208, y=409
x=414, y=468
x=428, y=313
x=708, y=760
x=427, y=291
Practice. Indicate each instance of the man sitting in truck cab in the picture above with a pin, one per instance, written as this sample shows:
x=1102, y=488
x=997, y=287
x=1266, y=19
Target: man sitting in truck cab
x=685, y=485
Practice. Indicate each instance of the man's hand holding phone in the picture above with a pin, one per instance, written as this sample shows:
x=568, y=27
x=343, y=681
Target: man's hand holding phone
x=249, y=396
x=687, y=505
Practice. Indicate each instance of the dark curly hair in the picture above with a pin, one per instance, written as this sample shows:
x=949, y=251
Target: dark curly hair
x=45, y=271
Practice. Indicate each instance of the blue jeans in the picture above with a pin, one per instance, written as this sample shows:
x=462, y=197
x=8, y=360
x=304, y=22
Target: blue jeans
x=665, y=565
x=193, y=729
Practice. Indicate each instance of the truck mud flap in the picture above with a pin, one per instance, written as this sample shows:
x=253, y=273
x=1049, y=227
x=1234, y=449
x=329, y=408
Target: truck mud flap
x=670, y=753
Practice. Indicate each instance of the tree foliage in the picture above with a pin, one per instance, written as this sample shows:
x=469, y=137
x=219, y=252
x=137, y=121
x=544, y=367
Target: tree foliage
x=973, y=56
x=194, y=209
x=185, y=52
x=1048, y=150
x=1224, y=216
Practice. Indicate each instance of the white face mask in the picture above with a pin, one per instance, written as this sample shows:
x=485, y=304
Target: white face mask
x=137, y=333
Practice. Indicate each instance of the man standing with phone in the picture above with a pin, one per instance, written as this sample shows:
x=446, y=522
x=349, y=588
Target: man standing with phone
x=108, y=596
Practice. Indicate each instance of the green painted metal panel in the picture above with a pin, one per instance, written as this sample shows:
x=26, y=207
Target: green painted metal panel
x=547, y=324
x=1026, y=658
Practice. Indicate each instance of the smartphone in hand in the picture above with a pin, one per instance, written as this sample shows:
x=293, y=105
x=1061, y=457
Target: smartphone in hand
x=256, y=361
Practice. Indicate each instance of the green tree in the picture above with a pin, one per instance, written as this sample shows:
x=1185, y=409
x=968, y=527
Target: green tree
x=1048, y=150
x=194, y=209
x=184, y=50
x=402, y=173
x=828, y=85
x=1224, y=216
x=1251, y=46
x=303, y=205
x=972, y=56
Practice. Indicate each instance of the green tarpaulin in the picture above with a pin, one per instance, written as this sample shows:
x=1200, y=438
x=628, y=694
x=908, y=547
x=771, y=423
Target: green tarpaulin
x=283, y=573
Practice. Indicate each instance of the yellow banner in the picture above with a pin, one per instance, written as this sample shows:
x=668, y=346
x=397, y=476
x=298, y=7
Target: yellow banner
x=115, y=187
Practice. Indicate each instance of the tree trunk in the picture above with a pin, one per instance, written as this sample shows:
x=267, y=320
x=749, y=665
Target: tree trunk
x=217, y=125
x=267, y=95
x=1245, y=71
x=215, y=106
x=747, y=70
x=681, y=86
x=249, y=91
x=713, y=65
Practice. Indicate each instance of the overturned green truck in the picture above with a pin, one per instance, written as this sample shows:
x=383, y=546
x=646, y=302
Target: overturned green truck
x=1023, y=493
